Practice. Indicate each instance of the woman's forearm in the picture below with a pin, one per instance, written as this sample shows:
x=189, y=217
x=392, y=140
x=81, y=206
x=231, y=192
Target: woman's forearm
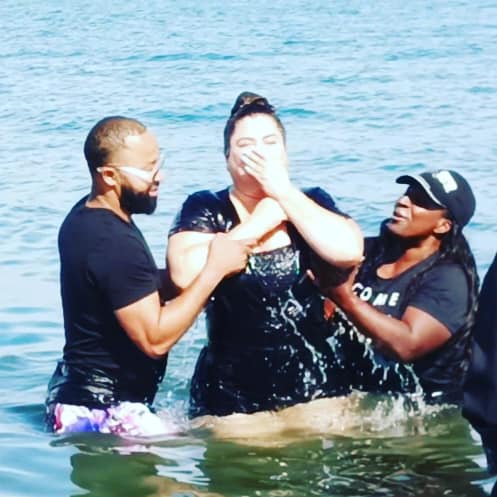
x=392, y=335
x=411, y=337
x=336, y=239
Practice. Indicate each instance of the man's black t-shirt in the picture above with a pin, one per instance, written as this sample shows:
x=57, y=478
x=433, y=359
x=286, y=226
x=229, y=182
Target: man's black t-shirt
x=440, y=290
x=105, y=265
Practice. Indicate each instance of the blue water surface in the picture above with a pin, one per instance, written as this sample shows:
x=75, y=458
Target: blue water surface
x=367, y=91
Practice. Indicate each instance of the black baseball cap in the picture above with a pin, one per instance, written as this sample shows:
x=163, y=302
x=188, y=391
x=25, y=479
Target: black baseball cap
x=448, y=189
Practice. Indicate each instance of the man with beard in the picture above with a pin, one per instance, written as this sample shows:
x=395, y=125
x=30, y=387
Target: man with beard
x=117, y=329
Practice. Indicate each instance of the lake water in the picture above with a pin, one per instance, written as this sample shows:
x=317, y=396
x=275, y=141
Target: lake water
x=367, y=91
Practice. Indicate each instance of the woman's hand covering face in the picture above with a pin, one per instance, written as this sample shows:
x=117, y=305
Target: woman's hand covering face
x=271, y=173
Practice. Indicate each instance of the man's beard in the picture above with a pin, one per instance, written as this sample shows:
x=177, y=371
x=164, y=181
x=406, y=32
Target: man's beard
x=137, y=202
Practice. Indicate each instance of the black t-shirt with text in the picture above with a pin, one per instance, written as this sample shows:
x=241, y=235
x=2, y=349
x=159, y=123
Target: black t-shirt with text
x=440, y=290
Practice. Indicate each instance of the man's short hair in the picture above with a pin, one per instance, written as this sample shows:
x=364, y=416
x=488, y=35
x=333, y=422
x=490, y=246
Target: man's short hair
x=107, y=136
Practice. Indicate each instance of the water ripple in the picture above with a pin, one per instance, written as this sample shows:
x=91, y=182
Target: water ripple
x=367, y=91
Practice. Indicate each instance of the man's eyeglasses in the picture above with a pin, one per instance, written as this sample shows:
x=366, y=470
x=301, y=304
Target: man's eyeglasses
x=143, y=174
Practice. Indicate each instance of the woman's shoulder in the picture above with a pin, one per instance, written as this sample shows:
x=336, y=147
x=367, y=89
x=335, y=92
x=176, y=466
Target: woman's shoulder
x=323, y=198
x=447, y=270
x=205, y=211
x=317, y=193
x=444, y=280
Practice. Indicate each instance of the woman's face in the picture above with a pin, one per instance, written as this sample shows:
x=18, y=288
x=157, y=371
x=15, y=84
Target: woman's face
x=416, y=215
x=256, y=131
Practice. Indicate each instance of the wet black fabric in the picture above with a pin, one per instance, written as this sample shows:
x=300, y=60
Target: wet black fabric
x=441, y=290
x=105, y=265
x=266, y=330
x=480, y=390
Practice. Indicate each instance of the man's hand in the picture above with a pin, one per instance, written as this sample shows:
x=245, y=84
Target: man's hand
x=227, y=256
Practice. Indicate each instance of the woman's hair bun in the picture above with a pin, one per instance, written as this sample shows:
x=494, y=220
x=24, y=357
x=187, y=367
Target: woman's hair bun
x=248, y=99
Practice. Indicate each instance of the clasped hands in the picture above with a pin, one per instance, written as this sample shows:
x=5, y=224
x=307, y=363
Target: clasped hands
x=335, y=283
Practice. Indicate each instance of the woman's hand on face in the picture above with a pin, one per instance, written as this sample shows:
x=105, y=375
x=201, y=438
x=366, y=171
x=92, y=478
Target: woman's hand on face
x=271, y=174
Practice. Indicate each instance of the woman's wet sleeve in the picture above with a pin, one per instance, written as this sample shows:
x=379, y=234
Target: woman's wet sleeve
x=323, y=199
x=200, y=212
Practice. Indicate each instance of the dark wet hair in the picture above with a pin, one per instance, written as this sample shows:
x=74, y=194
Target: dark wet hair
x=107, y=136
x=454, y=248
x=246, y=104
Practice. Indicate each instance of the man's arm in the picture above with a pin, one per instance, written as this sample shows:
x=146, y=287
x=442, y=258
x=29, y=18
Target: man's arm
x=155, y=328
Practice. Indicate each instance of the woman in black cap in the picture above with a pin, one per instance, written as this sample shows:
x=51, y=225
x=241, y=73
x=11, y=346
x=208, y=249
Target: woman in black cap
x=413, y=299
x=267, y=345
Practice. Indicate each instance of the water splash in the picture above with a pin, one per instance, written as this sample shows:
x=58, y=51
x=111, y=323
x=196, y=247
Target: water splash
x=290, y=311
x=359, y=415
x=345, y=334
x=277, y=272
